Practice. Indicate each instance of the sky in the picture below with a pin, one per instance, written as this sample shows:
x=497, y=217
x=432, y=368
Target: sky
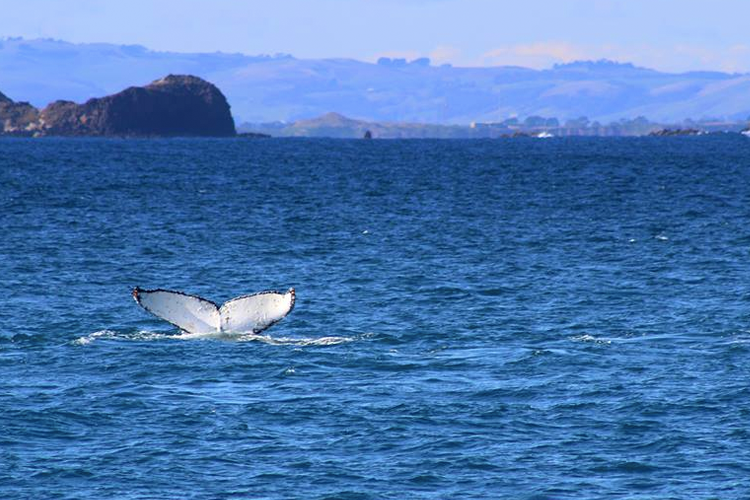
x=669, y=35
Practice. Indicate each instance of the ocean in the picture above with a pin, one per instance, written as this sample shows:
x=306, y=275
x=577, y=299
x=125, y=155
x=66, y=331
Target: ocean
x=488, y=319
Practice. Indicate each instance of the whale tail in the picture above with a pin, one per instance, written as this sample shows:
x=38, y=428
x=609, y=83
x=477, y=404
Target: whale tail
x=245, y=314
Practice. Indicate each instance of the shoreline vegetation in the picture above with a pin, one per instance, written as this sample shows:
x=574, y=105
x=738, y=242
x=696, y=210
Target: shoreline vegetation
x=188, y=106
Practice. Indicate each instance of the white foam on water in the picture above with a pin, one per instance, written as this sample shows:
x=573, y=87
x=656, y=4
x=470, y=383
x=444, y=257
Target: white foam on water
x=267, y=339
x=145, y=335
x=87, y=339
x=590, y=338
x=139, y=336
x=322, y=341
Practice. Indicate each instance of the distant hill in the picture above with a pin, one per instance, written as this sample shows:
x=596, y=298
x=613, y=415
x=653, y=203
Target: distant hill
x=281, y=87
x=339, y=126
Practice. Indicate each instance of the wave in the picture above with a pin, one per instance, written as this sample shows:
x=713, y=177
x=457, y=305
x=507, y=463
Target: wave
x=590, y=338
x=145, y=335
x=112, y=334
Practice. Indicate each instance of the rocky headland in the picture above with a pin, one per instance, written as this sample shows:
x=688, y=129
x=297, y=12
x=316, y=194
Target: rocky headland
x=17, y=118
x=174, y=106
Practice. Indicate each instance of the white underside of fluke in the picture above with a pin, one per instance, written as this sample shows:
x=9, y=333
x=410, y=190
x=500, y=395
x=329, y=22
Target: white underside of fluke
x=246, y=314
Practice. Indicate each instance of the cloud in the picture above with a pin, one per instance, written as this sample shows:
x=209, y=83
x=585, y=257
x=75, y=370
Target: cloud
x=445, y=54
x=544, y=54
x=675, y=58
x=533, y=55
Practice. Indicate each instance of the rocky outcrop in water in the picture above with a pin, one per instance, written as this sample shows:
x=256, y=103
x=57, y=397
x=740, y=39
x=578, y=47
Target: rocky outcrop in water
x=17, y=118
x=253, y=135
x=173, y=106
x=675, y=132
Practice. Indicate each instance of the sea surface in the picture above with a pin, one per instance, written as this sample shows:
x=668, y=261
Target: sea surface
x=520, y=319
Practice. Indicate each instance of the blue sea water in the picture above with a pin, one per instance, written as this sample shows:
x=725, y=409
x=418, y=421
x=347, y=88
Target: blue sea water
x=535, y=319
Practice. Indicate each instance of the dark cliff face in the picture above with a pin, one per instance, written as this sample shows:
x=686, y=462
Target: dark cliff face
x=17, y=118
x=171, y=107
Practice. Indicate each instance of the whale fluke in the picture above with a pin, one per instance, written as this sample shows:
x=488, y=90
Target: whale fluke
x=246, y=314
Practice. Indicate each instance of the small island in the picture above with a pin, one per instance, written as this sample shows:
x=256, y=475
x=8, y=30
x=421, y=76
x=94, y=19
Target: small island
x=173, y=106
